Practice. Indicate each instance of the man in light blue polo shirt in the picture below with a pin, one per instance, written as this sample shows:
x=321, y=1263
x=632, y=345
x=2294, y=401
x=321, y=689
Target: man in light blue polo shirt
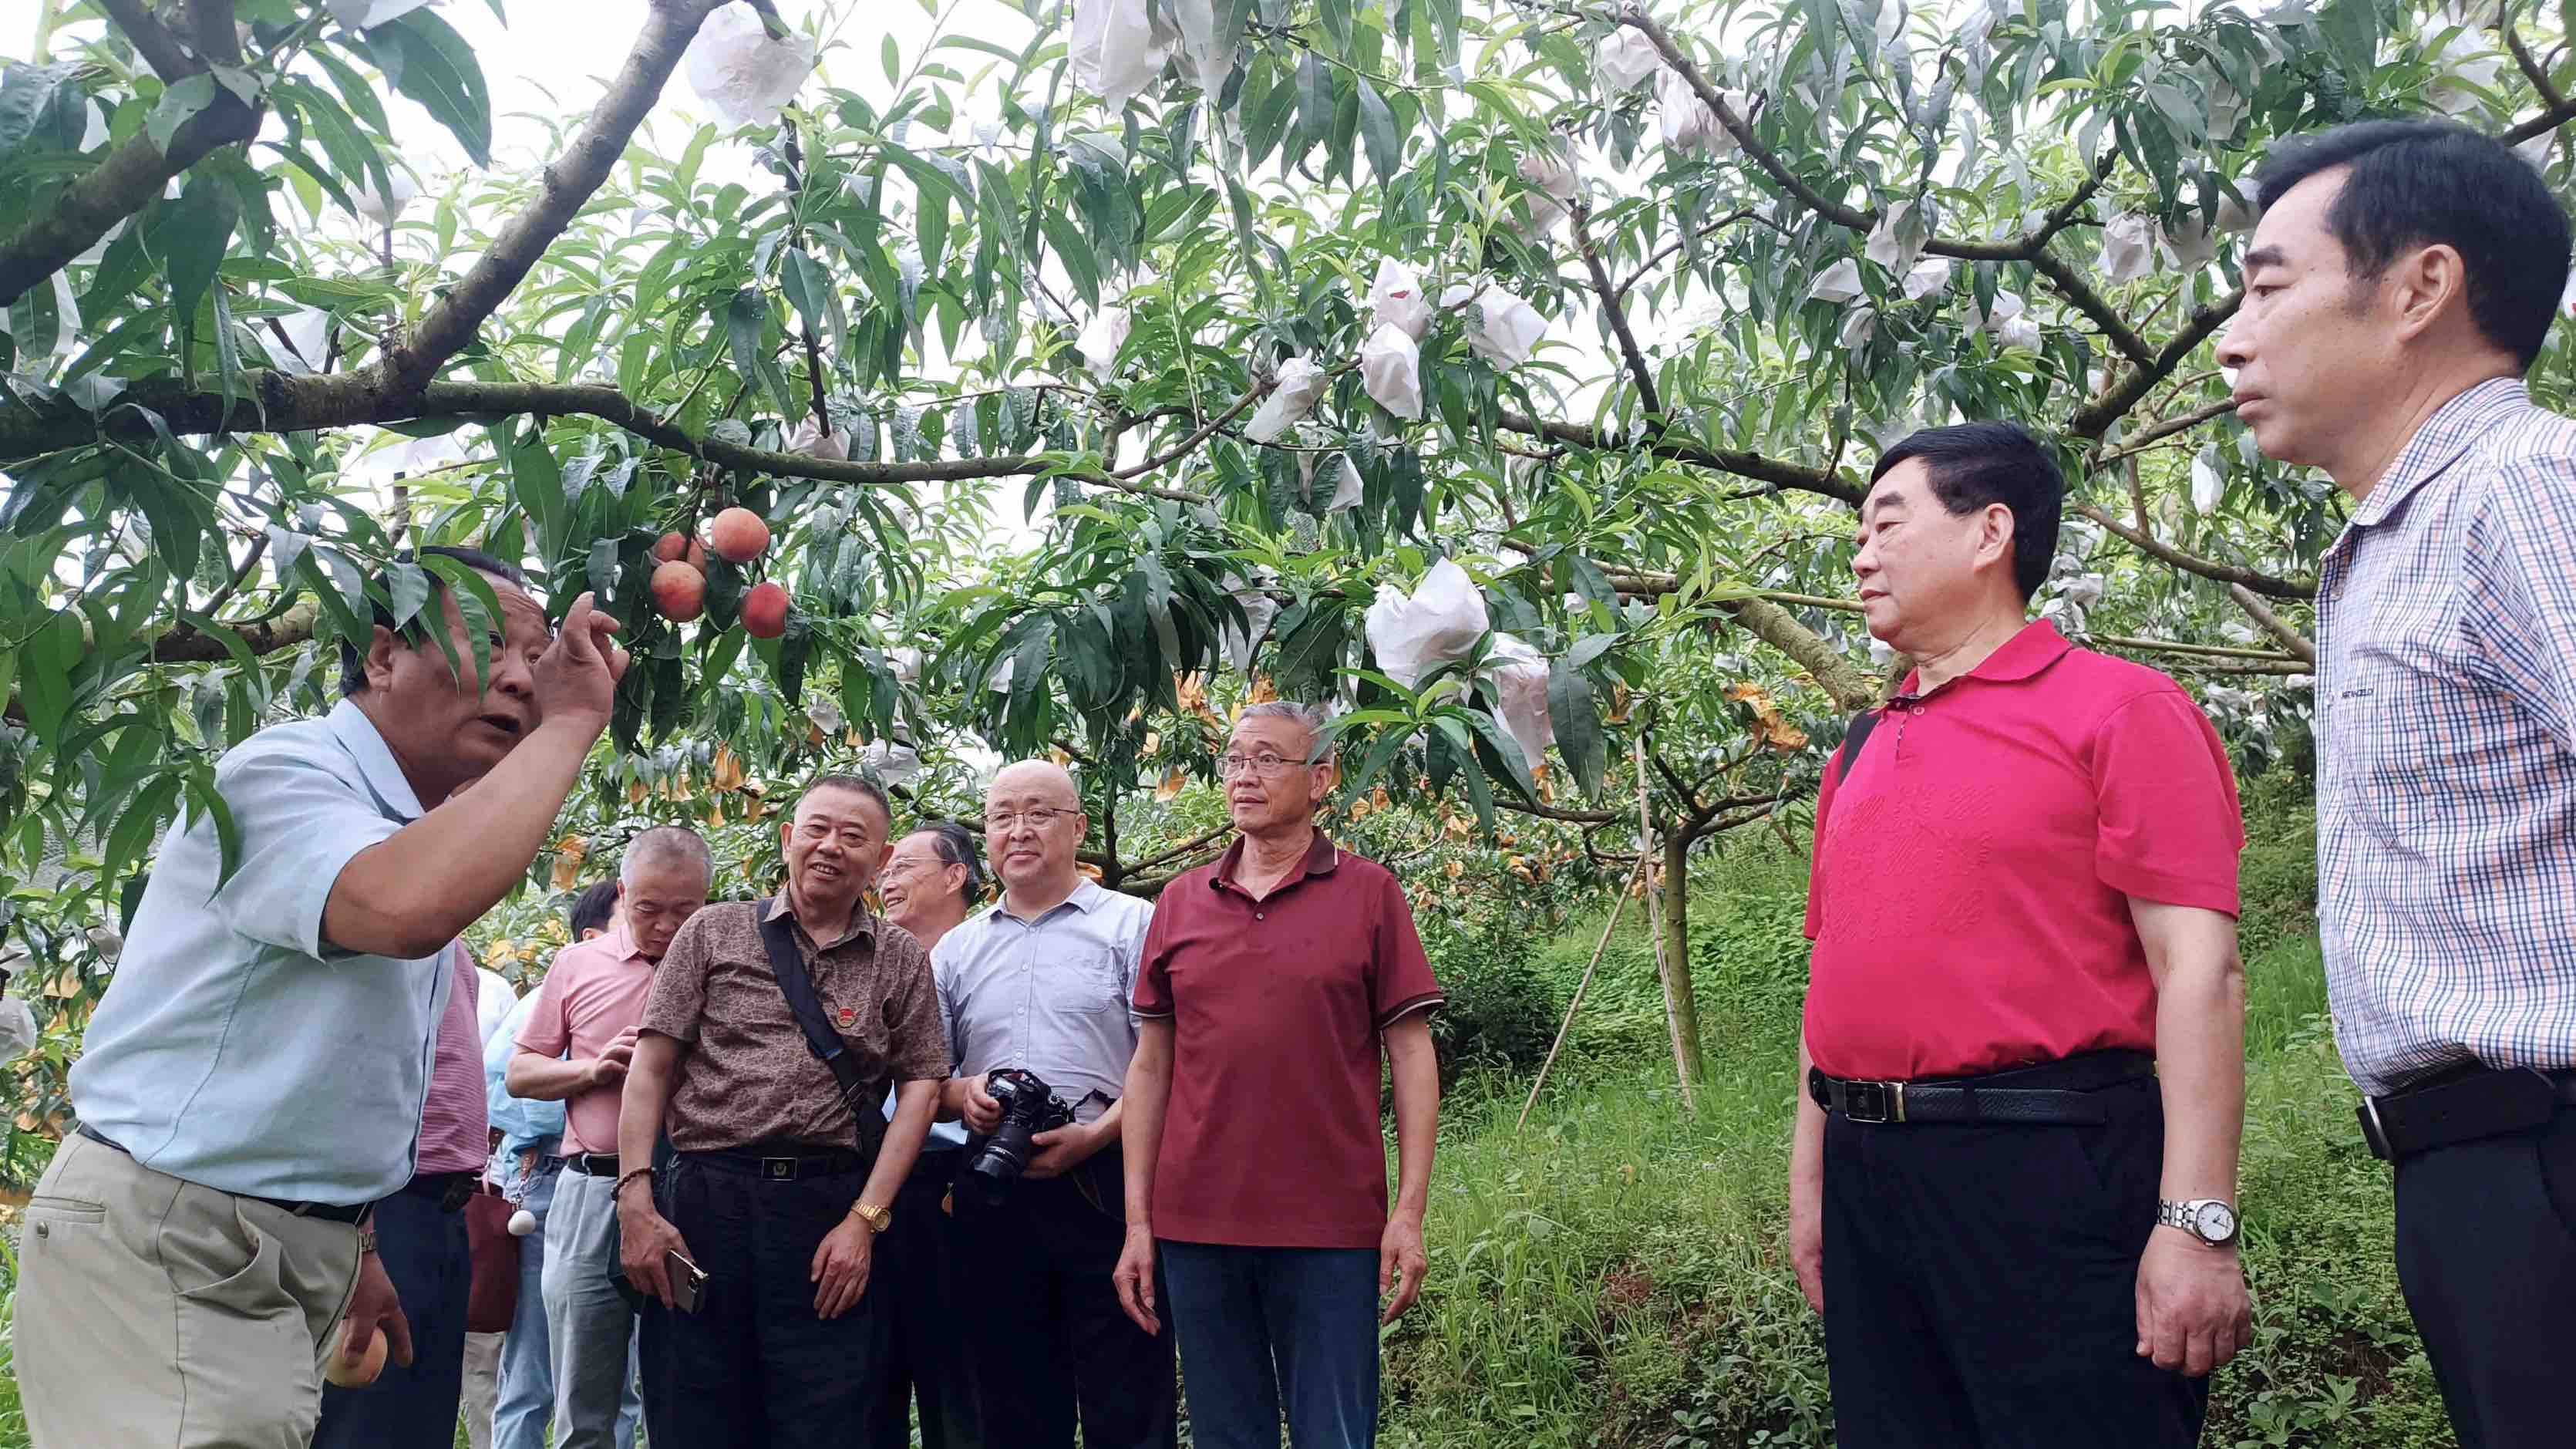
x=255, y=1076
x=1041, y=982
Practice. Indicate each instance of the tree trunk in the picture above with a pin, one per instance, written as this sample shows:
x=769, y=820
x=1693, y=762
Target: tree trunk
x=1673, y=962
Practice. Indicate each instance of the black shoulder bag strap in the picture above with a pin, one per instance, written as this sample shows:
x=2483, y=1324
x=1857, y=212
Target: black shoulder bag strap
x=787, y=964
x=1854, y=738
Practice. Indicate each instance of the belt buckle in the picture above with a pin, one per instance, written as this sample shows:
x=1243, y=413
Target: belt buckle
x=2373, y=1131
x=778, y=1169
x=1874, y=1101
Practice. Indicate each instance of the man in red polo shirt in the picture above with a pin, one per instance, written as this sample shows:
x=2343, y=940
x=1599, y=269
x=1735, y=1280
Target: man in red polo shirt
x=2012, y=1192
x=1268, y=982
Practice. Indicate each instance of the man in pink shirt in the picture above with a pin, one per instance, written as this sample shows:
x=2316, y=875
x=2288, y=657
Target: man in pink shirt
x=419, y=1237
x=574, y=1049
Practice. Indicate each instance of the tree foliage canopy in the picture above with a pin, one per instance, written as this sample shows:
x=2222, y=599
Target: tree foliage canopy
x=998, y=355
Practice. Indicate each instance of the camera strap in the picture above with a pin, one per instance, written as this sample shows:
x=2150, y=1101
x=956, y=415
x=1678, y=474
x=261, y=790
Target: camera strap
x=787, y=964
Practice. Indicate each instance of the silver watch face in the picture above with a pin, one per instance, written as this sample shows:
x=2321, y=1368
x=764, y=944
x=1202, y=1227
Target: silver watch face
x=2215, y=1222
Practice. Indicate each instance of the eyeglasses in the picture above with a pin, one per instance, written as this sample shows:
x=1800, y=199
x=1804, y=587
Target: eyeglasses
x=1268, y=766
x=1034, y=819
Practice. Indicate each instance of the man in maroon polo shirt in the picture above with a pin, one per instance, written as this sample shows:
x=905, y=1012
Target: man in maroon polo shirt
x=1268, y=982
x=2012, y=1191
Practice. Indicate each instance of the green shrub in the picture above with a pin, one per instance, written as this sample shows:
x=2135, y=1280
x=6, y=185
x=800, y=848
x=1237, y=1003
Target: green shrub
x=1501, y=1011
x=2277, y=877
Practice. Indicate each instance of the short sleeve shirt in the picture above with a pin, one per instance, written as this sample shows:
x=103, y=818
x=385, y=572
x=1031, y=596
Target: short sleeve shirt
x=592, y=994
x=235, y=1047
x=1271, y=1135
x=1050, y=995
x=749, y=1077
x=1969, y=900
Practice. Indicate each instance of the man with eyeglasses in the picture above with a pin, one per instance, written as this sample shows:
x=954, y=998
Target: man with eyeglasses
x=1275, y=982
x=1039, y=982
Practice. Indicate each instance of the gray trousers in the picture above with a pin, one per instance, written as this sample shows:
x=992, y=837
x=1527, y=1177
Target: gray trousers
x=591, y=1329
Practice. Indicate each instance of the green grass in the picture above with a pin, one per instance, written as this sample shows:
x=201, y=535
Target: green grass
x=1617, y=1273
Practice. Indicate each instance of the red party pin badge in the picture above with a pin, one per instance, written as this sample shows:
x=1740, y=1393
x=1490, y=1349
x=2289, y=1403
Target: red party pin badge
x=848, y=1016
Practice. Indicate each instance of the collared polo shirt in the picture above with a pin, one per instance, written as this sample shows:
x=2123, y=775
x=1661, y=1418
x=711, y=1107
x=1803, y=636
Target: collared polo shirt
x=748, y=1077
x=238, y=1049
x=1048, y=995
x=2446, y=750
x=1271, y=1135
x=1969, y=898
x=594, y=991
x=455, y=1131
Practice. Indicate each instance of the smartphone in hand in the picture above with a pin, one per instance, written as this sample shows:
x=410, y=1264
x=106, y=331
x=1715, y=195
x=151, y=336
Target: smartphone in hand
x=688, y=1281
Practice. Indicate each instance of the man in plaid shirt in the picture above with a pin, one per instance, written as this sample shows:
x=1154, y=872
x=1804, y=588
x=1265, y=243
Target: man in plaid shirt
x=2399, y=287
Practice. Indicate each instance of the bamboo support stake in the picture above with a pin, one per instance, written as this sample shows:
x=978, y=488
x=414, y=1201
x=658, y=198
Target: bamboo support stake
x=1655, y=921
x=1643, y=871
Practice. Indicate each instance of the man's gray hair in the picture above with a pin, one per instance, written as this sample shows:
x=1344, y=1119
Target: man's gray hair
x=1311, y=716
x=666, y=845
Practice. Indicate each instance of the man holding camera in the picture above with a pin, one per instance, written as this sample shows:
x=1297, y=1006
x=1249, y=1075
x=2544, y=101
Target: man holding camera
x=591, y=1006
x=1035, y=992
x=768, y=1039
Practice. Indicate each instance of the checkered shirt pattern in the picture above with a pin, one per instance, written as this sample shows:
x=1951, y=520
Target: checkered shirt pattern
x=2446, y=774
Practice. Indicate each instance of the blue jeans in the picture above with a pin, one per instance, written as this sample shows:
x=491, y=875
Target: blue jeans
x=1263, y=1329
x=426, y=1258
x=527, y=1403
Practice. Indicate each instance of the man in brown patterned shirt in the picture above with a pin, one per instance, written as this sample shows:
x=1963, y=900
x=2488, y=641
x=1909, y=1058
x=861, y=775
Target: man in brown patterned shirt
x=773, y=1191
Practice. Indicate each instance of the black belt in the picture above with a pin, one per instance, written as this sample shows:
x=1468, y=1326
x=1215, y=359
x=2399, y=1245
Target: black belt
x=322, y=1211
x=2456, y=1107
x=780, y=1162
x=2052, y=1093
x=592, y=1164
x=451, y=1189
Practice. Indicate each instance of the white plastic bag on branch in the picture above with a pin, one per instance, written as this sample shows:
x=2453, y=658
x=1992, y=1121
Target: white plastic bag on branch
x=1391, y=369
x=1859, y=327
x=1891, y=22
x=1626, y=59
x=808, y=438
x=1897, y=242
x=2022, y=332
x=384, y=207
x=2469, y=60
x=1545, y=209
x=2188, y=244
x=2128, y=248
x=1346, y=485
x=1117, y=49
x=2240, y=216
x=1503, y=329
x=1549, y=171
x=1240, y=644
x=2081, y=590
x=1838, y=284
x=906, y=664
x=1100, y=342
x=736, y=68
x=1926, y=277
x=1291, y=398
x=1687, y=122
x=1519, y=673
x=2208, y=484
x=893, y=764
x=1439, y=624
x=1210, y=62
x=1396, y=298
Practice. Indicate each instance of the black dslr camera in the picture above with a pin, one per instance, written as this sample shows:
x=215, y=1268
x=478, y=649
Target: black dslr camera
x=1029, y=1107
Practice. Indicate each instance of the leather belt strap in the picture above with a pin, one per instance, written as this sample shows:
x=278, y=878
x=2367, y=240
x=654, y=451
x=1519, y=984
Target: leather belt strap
x=2051, y=1094
x=2455, y=1109
x=451, y=1189
x=319, y=1211
x=593, y=1164
x=781, y=1164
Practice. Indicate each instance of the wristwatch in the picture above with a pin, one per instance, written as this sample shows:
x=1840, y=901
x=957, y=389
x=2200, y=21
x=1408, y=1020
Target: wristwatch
x=878, y=1219
x=2210, y=1219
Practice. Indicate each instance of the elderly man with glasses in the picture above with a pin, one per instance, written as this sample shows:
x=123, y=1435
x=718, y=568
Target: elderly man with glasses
x=1275, y=984
x=1038, y=985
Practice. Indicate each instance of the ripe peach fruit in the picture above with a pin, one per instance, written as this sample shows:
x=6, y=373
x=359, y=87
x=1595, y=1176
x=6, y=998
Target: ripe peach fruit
x=679, y=592
x=764, y=611
x=738, y=535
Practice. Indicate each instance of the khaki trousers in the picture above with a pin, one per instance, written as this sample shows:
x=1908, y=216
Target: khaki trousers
x=154, y=1312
